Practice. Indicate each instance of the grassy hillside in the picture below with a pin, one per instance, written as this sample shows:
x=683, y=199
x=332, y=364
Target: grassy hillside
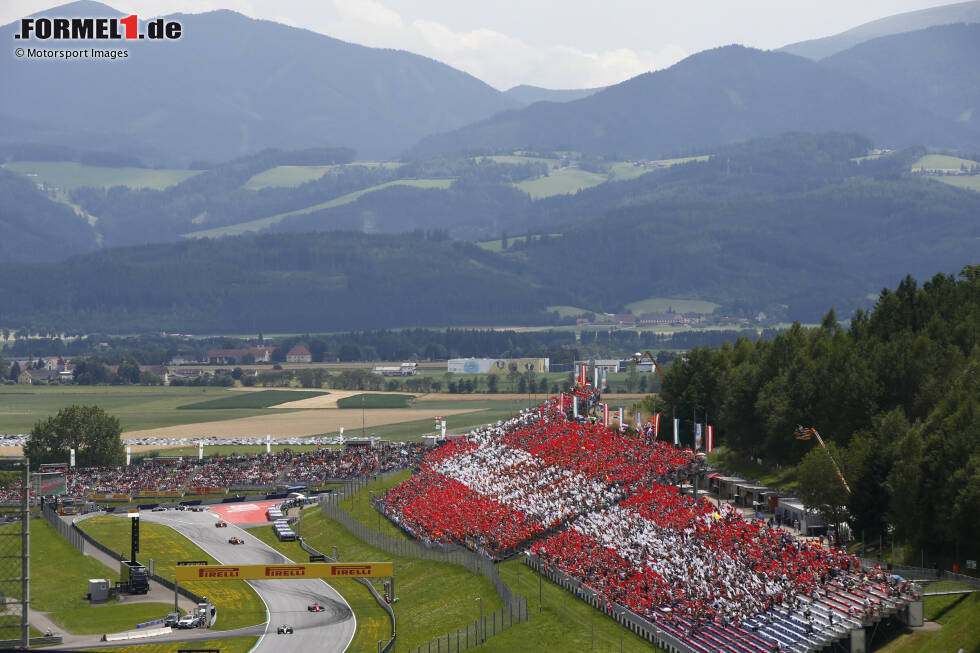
x=292, y=176
x=262, y=223
x=942, y=162
x=561, y=182
x=66, y=175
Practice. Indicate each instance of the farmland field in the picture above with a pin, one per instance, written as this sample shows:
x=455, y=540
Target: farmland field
x=137, y=407
x=261, y=399
x=665, y=304
x=293, y=176
x=969, y=182
x=262, y=223
x=375, y=401
x=942, y=162
x=67, y=175
x=561, y=182
x=496, y=245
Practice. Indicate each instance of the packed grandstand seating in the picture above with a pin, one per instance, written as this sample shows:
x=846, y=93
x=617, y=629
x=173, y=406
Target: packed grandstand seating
x=256, y=470
x=598, y=505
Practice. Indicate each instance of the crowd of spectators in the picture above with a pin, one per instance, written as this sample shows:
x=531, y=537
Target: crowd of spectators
x=166, y=474
x=532, y=474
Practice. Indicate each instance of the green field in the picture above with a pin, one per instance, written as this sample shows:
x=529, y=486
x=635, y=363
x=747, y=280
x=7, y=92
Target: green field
x=942, y=162
x=238, y=604
x=567, y=311
x=260, y=399
x=293, y=176
x=229, y=645
x=561, y=182
x=959, y=619
x=665, y=304
x=969, y=182
x=498, y=245
x=376, y=401
x=137, y=407
x=262, y=223
x=67, y=175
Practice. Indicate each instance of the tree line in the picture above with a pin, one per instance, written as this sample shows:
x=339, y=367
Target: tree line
x=896, y=396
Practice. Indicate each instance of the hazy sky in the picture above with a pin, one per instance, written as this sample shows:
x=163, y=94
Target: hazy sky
x=550, y=43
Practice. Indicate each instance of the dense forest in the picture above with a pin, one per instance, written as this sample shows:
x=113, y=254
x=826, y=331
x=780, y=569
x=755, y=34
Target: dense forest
x=897, y=395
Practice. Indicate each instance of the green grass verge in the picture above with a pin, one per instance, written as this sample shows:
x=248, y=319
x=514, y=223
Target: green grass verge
x=563, y=622
x=433, y=598
x=59, y=582
x=137, y=407
x=85, y=620
x=373, y=623
x=673, y=304
x=238, y=604
x=229, y=645
x=375, y=401
x=68, y=175
x=260, y=399
x=262, y=223
x=959, y=618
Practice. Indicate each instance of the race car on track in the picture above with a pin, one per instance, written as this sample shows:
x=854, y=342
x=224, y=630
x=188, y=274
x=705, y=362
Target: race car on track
x=284, y=629
x=235, y=540
x=221, y=524
x=316, y=607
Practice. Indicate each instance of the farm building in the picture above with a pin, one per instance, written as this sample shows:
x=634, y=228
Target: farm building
x=299, y=354
x=405, y=369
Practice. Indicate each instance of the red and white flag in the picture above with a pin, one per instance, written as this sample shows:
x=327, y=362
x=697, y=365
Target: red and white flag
x=711, y=438
x=656, y=425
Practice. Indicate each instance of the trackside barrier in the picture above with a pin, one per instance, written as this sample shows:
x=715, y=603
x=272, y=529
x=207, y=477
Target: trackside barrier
x=473, y=634
x=169, y=584
x=15, y=644
x=63, y=528
x=136, y=634
x=368, y=584
x=626, y=617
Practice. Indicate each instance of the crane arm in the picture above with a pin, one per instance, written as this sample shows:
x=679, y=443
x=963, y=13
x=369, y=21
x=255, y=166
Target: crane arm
x=805, y=433
x=638, y=358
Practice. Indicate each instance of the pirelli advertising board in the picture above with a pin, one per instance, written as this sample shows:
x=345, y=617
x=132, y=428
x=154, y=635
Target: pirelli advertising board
x=264, y=572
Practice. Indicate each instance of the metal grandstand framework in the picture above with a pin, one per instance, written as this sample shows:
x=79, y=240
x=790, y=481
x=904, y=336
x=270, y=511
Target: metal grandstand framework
x=15, y=536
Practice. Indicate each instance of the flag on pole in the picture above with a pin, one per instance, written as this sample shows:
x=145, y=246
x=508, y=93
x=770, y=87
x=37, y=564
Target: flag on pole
x=605, y=414
x=711, y=438
x=595, y=374
x=697, y=436
x=268, y=443
x=637, y=419
x=622, y=422
x=656, y=425
x=677, y=432
x=129, y=450
x=603, y=386
x=200, y=449
x=72, y=452
x=574, y=406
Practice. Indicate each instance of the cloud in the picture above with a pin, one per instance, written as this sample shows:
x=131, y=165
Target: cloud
x=499, y=59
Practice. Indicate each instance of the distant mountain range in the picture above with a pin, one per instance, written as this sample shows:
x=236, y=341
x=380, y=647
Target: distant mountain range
x=711, y=98
x=789, y=225
x=934, y=68
x=231, y=86
x=530, y=94
x=961, y=12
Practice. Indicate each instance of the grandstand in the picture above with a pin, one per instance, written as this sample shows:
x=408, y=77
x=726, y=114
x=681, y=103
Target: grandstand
x=601, y=509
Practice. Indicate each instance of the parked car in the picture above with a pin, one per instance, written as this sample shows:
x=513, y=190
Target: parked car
x=171, y=619
x=284, y=629
x=316, y=607
x=188, y=621
x=235, y=540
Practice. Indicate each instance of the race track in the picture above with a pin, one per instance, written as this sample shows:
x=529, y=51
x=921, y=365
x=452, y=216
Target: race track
x=330, y=631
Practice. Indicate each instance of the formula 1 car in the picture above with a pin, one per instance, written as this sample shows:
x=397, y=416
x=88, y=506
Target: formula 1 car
x=221, y=524
x=236, y=540
x=316, y=607
x=284, y=629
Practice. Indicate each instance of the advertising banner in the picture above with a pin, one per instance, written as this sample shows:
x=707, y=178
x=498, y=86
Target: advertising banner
x=312, y=570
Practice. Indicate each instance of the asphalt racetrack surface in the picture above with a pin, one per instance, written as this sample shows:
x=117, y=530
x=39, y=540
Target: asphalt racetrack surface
x=330, y=631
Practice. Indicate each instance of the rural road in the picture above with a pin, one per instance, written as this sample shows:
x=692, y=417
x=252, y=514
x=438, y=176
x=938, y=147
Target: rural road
x=330, y=631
